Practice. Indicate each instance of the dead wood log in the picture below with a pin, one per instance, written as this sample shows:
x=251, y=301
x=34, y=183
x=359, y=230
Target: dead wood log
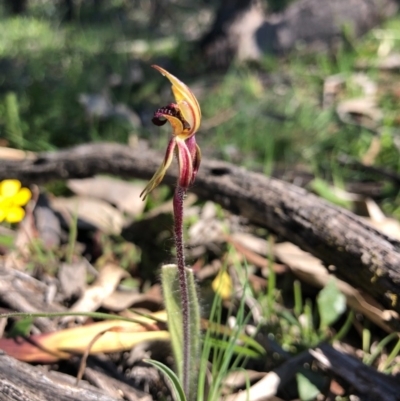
x=362, y=255
x=23, y=293
x=370, y=384
x=22, y=382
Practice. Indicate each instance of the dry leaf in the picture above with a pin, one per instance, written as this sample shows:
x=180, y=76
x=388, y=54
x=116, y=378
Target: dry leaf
x=310, y=269
x=120, y=300
x=208, y=229
x=378, y=220
x=263, y=390
x=362, y=111
x=238, y=379
x=332, y=87
x=105, y=284
x=124, y=195
x=94, y=212
x=372, y=152
x=387, y=62
x=110, y=335
x=48, y=225
x=251, y=242
x=15, y=154
x=72, y=278
x=251, y=248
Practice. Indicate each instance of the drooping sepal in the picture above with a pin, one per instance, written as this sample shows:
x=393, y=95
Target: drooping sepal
x=159, y=174
x=196, y=163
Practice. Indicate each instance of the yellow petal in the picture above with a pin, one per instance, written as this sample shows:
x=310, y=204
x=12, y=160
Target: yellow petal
x=9, y=188
x=222, y=285
x=15, y=214
x=5, y=204
x=176, y=124
x=187, y=102
x=22, y=197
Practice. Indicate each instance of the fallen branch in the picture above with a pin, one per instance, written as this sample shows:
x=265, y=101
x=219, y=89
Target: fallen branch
x=22, y=382
x=369, y=384
x=362, y=255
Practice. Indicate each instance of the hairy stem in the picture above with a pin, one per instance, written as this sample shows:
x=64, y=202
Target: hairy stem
x=183, y=285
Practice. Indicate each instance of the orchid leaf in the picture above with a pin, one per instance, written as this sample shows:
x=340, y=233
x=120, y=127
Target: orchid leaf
x=173, y=378
x=172, y=299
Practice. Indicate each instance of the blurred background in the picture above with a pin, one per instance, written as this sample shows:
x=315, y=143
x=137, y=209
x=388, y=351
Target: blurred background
x=285, y=88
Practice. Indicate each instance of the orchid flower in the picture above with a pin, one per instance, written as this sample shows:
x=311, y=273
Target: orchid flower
x=184, y=117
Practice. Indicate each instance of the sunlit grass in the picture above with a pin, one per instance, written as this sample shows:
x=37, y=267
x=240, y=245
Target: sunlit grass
x=263, y=117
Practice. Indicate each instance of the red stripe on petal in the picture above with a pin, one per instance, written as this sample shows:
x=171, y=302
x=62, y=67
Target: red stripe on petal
x=185, y=164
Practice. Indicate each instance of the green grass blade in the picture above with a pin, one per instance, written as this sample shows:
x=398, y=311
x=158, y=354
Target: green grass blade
x=173, y=379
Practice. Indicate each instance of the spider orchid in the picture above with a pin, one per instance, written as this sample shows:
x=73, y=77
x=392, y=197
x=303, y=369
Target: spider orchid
x=184, y=117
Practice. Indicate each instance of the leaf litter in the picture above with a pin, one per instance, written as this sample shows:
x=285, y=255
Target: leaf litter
x=219, y=243
x=308, y=354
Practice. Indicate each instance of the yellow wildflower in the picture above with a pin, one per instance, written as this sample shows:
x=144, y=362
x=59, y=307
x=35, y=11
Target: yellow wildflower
x=12, y=198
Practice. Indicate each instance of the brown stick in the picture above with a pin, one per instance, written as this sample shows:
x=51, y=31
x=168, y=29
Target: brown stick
x=362, y=255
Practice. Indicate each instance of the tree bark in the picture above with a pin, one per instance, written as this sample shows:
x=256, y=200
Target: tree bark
x=362, y=255
x=233, y=29
x=369, y=384
x=22, y=382
x=242, y=30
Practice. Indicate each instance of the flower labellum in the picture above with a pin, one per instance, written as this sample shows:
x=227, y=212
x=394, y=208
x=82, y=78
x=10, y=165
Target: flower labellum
x=184, y=117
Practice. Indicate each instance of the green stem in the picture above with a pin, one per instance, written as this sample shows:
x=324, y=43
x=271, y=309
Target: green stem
x=179, y=197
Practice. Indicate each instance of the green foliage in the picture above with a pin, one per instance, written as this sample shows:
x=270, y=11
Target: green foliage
x=228, y=348
x=307, y=390
x=13, y=127
x=278, y=5
x=48, y=66
x=331, y=304
x=304, y=328
x=372, y=353
x=172, y=377
x=6, y=240
x=227, y=352
x=324, y=189
x=21, y=328
x=261, y=118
